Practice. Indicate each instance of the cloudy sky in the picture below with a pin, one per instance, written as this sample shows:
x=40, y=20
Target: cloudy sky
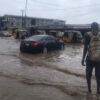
x=72, y=11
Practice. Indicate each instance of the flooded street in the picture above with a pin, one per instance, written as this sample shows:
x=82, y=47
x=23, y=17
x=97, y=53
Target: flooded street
x=57, y=75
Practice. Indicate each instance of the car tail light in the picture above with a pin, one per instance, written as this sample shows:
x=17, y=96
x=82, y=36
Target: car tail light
x=35, y=44
x=6, y=34
x=22, y=43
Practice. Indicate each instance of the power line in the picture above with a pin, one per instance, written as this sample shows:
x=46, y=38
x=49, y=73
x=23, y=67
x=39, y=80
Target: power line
x=25, y=13
x=25, y=7
x=52, y=4
x=45, y=4
x=22, y=17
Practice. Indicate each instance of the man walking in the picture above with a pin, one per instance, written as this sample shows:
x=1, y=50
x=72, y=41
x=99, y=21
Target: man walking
x=92, y=54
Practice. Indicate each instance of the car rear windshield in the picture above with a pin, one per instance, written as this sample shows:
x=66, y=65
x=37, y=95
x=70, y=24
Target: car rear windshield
x=35, y=38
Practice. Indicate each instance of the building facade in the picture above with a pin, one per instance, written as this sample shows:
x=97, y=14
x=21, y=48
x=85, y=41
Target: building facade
x=19, y=21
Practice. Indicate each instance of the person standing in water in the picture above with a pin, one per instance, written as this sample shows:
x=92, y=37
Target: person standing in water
x=91, y=54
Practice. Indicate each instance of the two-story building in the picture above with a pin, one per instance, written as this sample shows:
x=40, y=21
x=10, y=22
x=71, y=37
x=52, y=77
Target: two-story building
x=19, y=21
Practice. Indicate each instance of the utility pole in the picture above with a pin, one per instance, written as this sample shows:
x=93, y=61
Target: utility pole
x=22, y=16
x=25, y=12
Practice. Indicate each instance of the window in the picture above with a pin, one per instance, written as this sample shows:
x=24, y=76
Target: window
x=33, y=22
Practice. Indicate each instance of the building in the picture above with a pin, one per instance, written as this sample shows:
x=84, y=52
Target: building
x=0, y=21
x=1, y=24
x=79, y=26
x=19, y=21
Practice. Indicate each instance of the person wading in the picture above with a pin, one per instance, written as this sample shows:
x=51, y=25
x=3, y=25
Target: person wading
x=91, y=53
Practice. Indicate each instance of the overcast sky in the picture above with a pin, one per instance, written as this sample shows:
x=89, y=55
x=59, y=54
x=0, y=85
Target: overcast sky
x=72, y=11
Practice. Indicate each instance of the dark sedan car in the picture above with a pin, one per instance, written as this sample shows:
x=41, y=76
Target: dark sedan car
x=41, y=43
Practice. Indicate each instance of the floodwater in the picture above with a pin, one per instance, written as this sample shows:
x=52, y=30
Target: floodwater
x=57, y=75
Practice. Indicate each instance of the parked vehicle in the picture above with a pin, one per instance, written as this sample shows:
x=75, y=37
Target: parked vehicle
x=71, y=36
x=11, y=30
x=40, y=32
x=20, y=33
x=53, y=33
x=41, y=43
x=5, y=34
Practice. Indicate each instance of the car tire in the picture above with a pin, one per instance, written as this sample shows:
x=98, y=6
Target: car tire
x=45, y=50
x=21, y=50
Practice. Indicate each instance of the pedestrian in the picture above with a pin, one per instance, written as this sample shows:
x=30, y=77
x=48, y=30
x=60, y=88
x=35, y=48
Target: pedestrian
x=91, y=53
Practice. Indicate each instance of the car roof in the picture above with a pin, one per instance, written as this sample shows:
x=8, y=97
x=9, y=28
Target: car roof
x=4, y=32
x=41, y=35
x=45, y=36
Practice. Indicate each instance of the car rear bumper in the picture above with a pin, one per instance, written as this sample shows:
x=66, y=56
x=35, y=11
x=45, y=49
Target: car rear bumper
x=30, y=49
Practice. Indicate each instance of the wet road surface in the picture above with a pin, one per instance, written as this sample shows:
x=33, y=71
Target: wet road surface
x=57, y=75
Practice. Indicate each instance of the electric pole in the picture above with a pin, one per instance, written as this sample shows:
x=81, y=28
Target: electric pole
x=22, y=17
x=25, y=12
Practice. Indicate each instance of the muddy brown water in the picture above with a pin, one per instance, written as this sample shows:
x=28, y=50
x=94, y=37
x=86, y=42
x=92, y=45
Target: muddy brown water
x=58, y=73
